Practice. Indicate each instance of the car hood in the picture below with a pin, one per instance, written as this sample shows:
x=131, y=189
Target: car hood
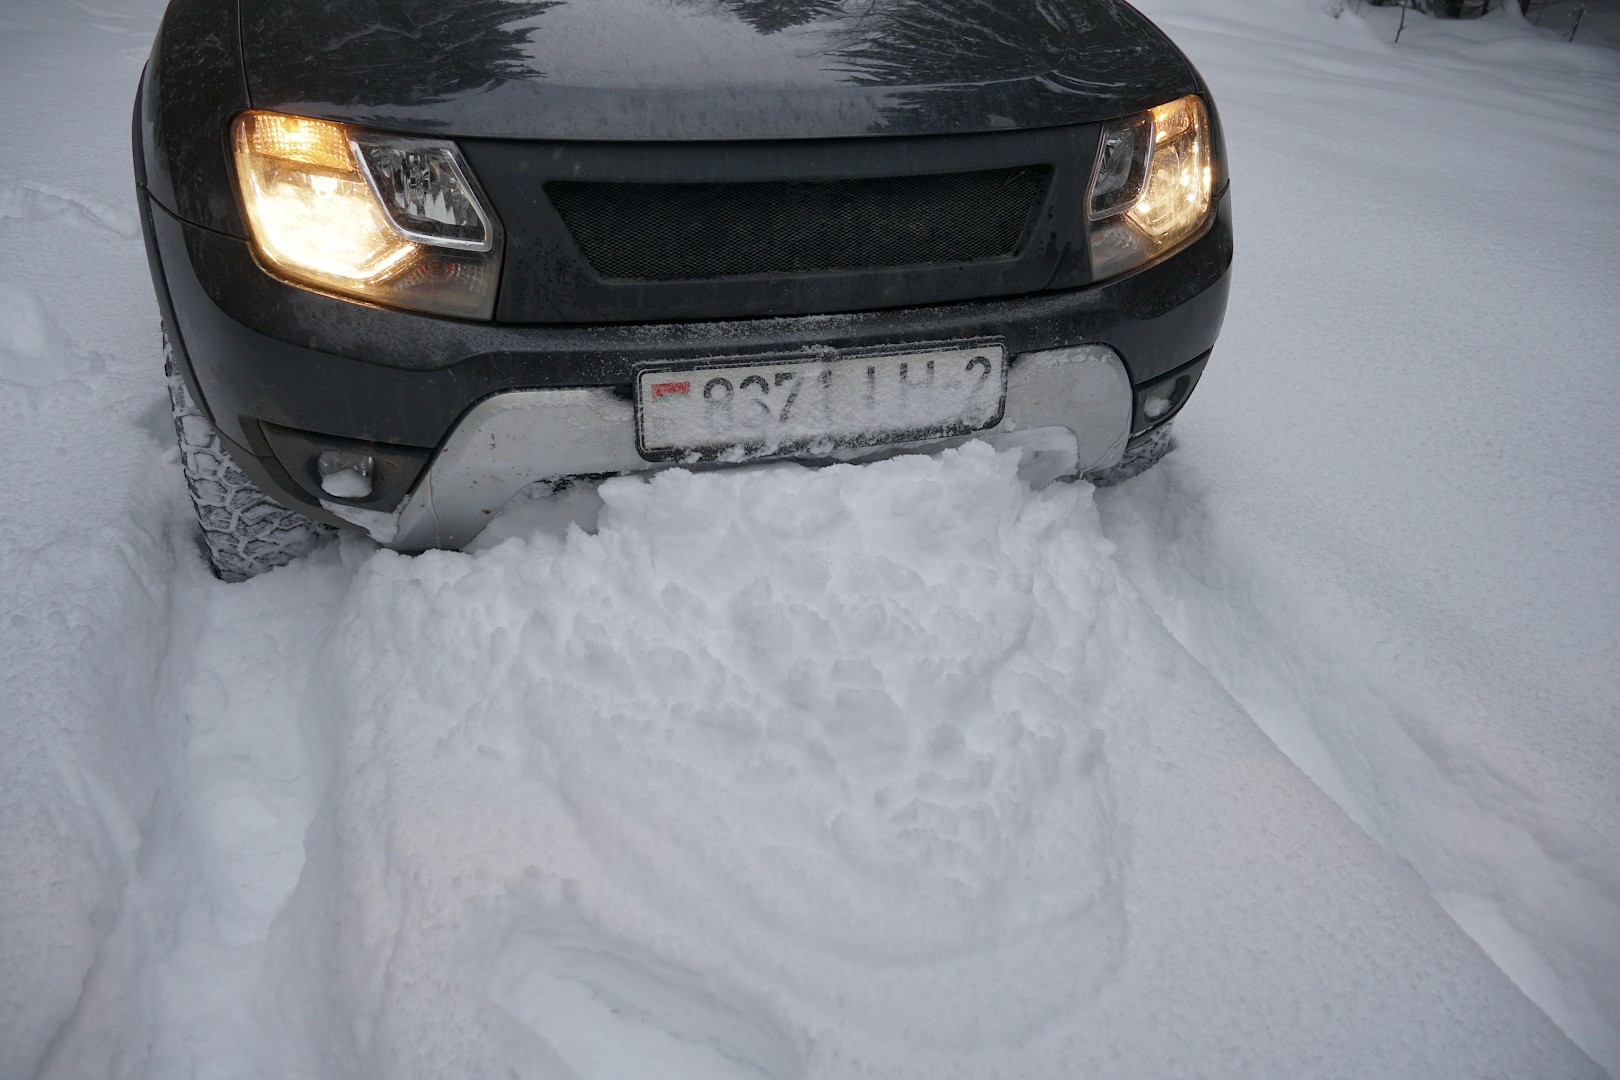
x=706, y=69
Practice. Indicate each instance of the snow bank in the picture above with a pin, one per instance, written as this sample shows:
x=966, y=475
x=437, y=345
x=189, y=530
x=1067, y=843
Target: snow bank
x=1389, y=525
x=850, y=772
x=84, y=559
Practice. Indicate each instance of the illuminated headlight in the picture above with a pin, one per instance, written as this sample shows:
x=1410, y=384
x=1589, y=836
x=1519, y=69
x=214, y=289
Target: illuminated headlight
x=376, y=217
x=1152, y=187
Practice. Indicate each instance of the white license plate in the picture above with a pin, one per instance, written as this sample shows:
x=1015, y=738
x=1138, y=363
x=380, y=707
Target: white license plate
x=819, y=403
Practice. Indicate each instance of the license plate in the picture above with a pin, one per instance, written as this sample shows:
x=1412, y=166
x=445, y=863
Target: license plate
x=819, y=403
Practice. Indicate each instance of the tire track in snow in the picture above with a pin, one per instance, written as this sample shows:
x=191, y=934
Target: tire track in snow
x=1335, y=689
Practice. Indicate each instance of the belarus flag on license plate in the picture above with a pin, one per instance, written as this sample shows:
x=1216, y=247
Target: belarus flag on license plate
x=671, y=389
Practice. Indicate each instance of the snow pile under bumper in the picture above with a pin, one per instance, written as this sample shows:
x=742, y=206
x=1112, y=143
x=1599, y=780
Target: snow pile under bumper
x=513, y=439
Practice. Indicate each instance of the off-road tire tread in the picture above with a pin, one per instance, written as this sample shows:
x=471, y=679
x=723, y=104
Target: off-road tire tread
x=1141, y=454
x=244, y=531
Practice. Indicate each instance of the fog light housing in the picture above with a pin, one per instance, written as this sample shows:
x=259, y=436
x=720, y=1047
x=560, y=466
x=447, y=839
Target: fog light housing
x=345, y=474
x=1161, y=399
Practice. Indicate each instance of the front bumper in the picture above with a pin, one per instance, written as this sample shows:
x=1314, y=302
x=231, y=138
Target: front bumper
x=461, y=415
x=516, y=438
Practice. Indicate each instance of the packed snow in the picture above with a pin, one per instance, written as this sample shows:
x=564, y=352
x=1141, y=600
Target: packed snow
x=1296, y=756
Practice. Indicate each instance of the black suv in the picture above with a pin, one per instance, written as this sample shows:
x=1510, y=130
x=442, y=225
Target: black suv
x=415, y=255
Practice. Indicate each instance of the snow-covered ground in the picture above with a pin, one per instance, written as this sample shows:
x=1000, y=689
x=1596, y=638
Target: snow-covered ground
x=1296, y=757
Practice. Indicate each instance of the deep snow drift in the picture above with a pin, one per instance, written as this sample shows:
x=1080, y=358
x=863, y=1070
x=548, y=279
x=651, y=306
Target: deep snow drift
x=900, y=770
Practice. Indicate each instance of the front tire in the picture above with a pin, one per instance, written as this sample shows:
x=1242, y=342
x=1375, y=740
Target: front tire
x=1141, y=454
x=244, y=531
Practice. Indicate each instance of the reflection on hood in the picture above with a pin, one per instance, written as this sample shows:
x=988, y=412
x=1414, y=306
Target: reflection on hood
x=380, y=51
x=706, y=69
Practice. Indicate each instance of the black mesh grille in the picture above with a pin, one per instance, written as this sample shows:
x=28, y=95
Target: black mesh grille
x=674, y=231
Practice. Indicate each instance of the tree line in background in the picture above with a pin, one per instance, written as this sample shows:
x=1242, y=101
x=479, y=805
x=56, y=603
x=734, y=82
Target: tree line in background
x=1469, y=9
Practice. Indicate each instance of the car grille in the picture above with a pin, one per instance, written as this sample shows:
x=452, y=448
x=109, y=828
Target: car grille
x=676, y=231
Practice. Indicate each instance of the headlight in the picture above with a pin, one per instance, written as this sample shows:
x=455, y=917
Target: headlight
x=1152, y=186
x=392, y=220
